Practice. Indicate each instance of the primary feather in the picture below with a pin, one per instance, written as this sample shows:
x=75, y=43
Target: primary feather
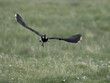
x=71, y=39
x=20, y=21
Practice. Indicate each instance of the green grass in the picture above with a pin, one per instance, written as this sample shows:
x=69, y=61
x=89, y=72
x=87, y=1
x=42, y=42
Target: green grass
x=24, y=60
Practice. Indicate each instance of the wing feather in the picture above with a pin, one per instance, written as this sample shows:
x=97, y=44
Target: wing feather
x=20, y=21
x=72, y=39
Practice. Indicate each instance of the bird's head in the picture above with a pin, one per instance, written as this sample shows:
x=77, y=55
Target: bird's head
x=44, y=38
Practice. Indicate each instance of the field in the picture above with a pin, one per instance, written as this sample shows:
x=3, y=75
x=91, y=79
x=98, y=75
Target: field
x=24, y=60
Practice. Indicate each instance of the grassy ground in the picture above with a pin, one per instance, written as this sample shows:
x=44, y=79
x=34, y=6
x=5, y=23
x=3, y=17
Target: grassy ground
x=23, y=60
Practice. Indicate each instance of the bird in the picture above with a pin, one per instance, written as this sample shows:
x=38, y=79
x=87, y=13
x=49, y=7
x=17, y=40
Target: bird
x=44, y=38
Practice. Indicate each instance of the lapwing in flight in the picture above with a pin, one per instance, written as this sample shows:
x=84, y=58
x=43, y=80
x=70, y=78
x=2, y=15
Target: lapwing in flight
x=44, y=38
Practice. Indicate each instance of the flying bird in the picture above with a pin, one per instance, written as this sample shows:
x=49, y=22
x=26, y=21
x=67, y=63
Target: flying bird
x=44, y=38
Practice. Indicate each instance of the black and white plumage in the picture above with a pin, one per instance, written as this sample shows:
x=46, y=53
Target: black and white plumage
x=72, y=39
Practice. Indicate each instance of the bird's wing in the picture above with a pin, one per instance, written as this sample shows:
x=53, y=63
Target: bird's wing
x=59, y=38
x=72, y=39
x=20, y=21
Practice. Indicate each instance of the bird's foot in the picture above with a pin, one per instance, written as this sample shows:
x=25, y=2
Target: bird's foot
x=42, y=44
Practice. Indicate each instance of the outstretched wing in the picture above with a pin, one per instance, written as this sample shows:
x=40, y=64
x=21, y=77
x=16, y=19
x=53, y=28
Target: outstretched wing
x=20, y=21
x=71, y=39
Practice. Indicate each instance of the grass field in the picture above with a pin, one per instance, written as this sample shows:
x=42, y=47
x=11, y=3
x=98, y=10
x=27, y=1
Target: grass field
x=24, y=60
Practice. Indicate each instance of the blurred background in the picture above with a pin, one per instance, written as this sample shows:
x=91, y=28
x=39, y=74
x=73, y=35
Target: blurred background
x=24, y=60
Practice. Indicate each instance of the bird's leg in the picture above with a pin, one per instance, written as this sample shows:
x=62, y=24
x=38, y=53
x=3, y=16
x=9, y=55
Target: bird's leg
x=43, y=44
